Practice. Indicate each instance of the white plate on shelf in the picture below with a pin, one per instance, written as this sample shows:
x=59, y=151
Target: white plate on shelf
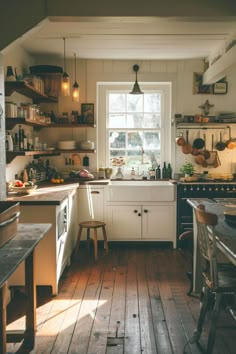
x=67, y=145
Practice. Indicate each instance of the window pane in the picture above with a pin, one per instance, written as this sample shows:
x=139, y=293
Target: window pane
x=135, y=140
x=152, y=102
x=151, y=140
x=134, y=103
x=117, y=121
x=117, y=102
x=117, y=153
x=134, y=120
x=152, y=121
x=117, y=140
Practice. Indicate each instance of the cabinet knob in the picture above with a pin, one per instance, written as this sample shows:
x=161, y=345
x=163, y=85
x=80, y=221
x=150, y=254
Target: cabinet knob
x=145, y=211
x=139, y=214
x=135, y=211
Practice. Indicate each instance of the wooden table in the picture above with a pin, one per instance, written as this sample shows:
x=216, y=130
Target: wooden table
x=225, y=237
x=12, y=254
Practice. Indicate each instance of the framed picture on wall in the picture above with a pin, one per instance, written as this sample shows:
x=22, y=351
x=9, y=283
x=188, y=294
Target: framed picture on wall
x=198, y=87
x=87, y=111
x=220, y=88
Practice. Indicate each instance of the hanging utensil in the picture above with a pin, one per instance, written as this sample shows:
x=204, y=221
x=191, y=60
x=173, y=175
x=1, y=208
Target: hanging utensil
x=86, y=161
x=220, y=146
x=205, y=152
x=230, y=144
x=198, y=143
x=180, y=139
x=187, y=148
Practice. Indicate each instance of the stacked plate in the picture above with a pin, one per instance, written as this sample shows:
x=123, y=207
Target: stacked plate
x=66, y=144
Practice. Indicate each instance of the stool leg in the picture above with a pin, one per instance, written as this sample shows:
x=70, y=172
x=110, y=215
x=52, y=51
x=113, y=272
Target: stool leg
x=105, y=238
x=88, y=238
x=78, y=240
x=95, y=244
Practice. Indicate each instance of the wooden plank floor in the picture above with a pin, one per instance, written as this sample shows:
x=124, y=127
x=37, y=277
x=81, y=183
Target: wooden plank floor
x=131, y=301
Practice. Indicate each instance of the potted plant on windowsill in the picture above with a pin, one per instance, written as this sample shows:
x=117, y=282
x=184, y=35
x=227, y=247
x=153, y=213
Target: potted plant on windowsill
x=188, y=169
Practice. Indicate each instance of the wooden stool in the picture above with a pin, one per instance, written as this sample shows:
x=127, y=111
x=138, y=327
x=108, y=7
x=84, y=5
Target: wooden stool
x=92, y=225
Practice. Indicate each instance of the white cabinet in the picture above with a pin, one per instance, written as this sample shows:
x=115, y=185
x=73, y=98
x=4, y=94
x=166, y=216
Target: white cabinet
x=142, y=222
x=91, y=204
x=53, y=254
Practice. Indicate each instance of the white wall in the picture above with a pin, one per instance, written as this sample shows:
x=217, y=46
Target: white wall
x=90, y=72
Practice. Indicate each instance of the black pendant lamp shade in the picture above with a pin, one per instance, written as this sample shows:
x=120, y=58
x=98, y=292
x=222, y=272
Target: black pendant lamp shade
x=75, y=91
x=65, y=83
x=136, y=89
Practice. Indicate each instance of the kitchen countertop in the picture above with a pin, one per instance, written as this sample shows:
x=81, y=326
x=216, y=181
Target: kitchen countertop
x=45, y=194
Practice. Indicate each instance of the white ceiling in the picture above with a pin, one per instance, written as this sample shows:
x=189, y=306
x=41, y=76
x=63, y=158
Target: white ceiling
x=130, y=37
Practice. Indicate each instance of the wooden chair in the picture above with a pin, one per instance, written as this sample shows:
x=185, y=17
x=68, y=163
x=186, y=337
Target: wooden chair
x=219, y=279
x=94, y=225
x=186, y=240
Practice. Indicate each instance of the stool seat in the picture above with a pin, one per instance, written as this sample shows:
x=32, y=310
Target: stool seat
x=94, y=225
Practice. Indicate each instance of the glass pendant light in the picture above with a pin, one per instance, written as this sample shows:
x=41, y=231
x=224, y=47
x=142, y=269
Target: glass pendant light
x=75, y=91
x=65, y=83
x=136, y=89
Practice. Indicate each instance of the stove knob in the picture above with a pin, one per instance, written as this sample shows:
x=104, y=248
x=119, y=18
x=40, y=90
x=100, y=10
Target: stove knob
x=233, y=189
x=227, y=189
x=198, y=189
x=185, y=189
x=222, y=189
x=216, y=188
x=191, y=189
x=203, y=188
x=210, y=189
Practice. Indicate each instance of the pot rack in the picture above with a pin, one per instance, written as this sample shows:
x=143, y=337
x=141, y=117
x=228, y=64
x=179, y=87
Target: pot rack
x=204, y=128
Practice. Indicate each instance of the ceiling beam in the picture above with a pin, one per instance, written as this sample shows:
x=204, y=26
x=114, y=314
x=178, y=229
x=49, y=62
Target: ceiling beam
x=217, y=71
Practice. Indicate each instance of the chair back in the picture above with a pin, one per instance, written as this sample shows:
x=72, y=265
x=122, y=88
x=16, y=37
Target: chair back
x=207, y=244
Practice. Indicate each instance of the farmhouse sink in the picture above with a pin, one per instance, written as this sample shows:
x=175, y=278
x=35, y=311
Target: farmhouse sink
x=140, y=191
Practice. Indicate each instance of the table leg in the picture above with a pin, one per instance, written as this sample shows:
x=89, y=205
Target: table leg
x=29, y=337
x=3, y=322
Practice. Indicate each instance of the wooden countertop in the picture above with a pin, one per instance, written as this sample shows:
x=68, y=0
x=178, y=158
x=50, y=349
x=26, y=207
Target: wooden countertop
x=45, y=195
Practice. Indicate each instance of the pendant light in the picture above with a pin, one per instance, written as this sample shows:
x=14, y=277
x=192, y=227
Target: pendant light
x=65, y=83
x=75, y=91
x=136, y=89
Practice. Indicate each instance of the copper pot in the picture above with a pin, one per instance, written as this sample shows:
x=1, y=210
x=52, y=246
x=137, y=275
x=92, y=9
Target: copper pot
x=230, y=144
x=180, y=140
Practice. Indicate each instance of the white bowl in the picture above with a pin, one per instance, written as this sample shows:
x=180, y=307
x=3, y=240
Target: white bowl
x=87, y=145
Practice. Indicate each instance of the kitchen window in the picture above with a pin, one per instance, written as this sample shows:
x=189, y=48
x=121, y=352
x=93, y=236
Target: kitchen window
x=135, y=127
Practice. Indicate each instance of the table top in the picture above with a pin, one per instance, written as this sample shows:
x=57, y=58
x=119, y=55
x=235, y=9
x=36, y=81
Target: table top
x=19, y=248
x=225, y=233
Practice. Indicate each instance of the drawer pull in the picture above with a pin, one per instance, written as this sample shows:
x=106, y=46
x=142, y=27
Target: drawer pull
x=135, y=211
x=95, y=192
x=9, y=221
x=145, y=211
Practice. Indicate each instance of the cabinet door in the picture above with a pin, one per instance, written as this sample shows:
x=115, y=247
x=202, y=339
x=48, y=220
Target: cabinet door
x=90, y=203
x=124, y=222
x=158, y=222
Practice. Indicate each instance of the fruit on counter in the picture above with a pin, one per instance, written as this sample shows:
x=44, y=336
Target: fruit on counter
x=18, y=183
x=57, y=180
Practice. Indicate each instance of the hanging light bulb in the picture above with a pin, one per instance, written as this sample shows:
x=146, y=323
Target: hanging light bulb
x=65, y=83
x=75, y=91
x=136, y=89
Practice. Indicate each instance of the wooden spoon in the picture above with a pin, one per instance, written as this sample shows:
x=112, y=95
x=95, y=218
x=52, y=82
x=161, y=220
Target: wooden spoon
x=187, y=148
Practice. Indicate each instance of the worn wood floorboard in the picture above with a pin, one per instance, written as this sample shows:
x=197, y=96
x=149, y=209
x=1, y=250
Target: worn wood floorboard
x=131, y=301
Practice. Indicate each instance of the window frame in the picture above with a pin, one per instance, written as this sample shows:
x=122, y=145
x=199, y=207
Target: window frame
x=102, y=131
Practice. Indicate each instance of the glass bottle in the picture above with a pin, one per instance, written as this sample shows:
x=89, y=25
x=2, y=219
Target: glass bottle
x=169, y=171
x=158, y=172
x=164, y=170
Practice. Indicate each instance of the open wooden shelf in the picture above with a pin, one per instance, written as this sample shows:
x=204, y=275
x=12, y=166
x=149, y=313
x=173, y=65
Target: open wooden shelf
x=27, y=90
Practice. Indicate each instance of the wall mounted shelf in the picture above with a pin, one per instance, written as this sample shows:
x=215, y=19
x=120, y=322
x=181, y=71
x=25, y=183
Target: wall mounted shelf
x=27, y=90
x=11, y=122
x=10, y=155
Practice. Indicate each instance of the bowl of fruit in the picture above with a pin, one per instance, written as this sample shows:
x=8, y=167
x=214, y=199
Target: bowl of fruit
x=20, y=187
